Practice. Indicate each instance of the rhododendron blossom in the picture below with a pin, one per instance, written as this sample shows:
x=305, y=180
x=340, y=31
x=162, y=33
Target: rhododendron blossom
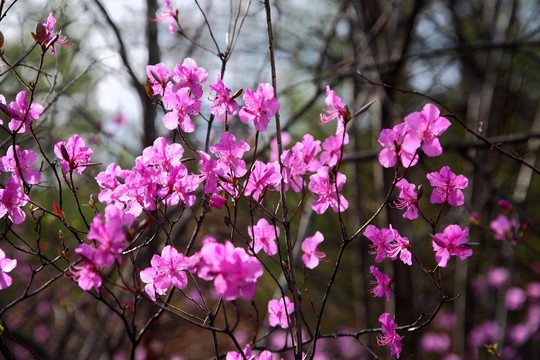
x=188, y=75
x=166, y=270
x=20, y=168
x=182, y=107
x=407, y=199
x=382, y=284
x=263, y=177
x=167, y=15
x=424, y=128
x=74, y=154
x=397, y=146
x=22, y=114
x=223, y=106
x=336, y=110
x=6, y=265
x=49, y=35
x=159, y=76
x=11, y=201
x=452, y=241
x=259, y=106
x=389, y=336
x=279, y=311
x=264, y=237
x=447, y=187
x=311, y=255
x=234, y=272
x=229, y=153
x=247, y=354
x=324, y=190
x=504, y=228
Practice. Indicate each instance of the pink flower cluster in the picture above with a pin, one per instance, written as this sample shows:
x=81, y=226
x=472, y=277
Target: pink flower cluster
x=234, y=272
x=418, y=130
x=109, y=242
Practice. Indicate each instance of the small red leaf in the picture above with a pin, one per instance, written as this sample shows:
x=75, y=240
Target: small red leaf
x=58, y=211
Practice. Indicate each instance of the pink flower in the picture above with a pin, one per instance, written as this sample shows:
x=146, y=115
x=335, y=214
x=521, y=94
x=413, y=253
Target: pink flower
x=324, y=190
x=294, y=169
x=22, y=114
x=182, y=107
x=211, y=171
x=425, y=127
x=109, y=236
x=264, y=237
x=259, y=106
x=311, y=255
x=336, y=110
x=452, y=241
x=25, y=159
x=407, y=199
x=190, y=76
x=11, y=201
x=229, y=154
x=234, y=272
x=167, y=14
x=6, y=265
x=389, y=336
x=159, y=76
x=400, y=246
x=49, y=35
x=397, y=146
x=279, y=311
x=247, y=354
x=223, y=106
x=108, y=181
x=382, y=283
x=262, y=178
x=73, y=154
x=333, y=146
x=86, y=276
x=380, y=241
x=505, y=228
x=166, y=270
x=447, y=187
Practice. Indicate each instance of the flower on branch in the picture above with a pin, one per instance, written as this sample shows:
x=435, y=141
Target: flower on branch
x=397, y=146
x=223, y=106
x=22, y=114
x=49, y=37
x=447, y=187
x=323, y=188
x=6, y=265
x=25, y=160
x=167, y=14
x=452, y=241
x=234, y=272
x=389, y=336
x=382, y=283
x=259, y=106
x=189, y=75
x=311, y=255
x=279, y=311
x=166, y=270
x=11, y=201
x=158, y=76
x=264, y=237
x=336, y=110
x=407, y=199
x=424, y=128
x=73, y=154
